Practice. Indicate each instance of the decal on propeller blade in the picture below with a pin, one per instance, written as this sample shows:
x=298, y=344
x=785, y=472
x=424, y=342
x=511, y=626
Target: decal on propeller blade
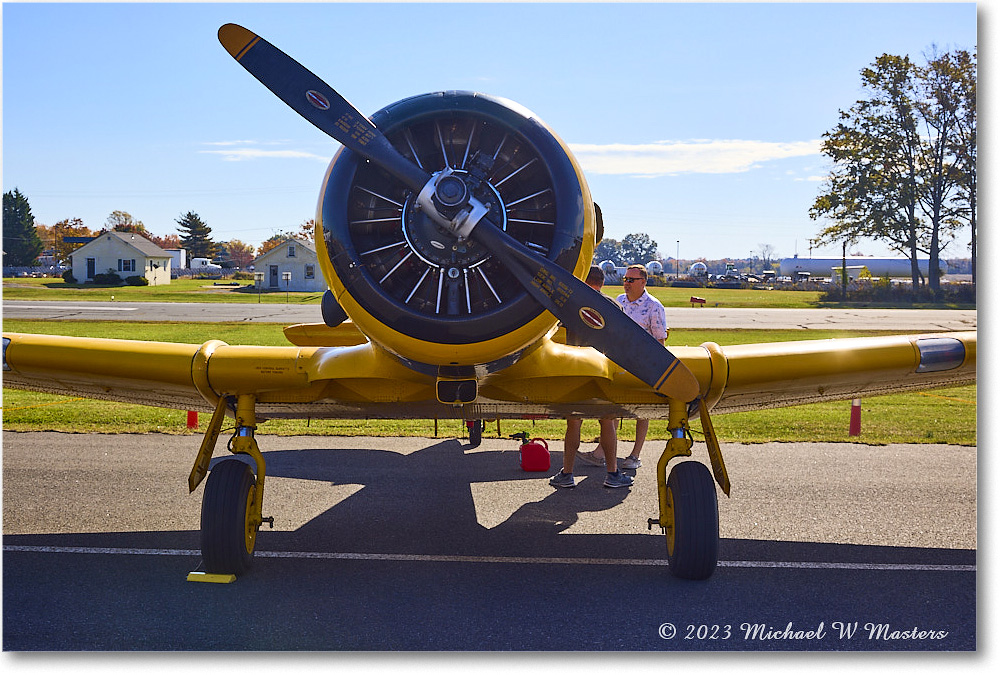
x=592, y=317
x=317, y=100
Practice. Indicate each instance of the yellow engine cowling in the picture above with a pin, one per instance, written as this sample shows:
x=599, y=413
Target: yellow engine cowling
x=413, y=287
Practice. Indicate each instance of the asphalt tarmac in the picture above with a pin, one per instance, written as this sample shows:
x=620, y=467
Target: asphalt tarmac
x=428, y=544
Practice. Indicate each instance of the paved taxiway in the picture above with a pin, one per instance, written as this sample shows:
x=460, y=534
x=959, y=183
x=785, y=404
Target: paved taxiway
x=428, y=544
x=922, y=320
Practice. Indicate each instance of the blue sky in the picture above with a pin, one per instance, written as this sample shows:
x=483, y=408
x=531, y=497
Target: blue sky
x=695, y=123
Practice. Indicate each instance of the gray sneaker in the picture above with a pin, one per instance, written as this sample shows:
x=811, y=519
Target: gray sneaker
x=562, y=480
x=617, y=480
x=590, y=458
x=629, y=462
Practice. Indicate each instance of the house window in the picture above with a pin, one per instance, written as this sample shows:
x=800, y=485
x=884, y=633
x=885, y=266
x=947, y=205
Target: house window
x=310, y=271
x=126, y=265
x=291, y=250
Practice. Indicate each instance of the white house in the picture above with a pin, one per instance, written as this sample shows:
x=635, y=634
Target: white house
x=126, y=254
x=296, y=257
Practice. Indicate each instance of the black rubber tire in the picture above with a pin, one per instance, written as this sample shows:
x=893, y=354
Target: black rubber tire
x=226, y=547
x=475, y=433
x=695, y=551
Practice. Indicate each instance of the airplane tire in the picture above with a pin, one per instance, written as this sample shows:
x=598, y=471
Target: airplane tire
x=475, y=433
x=693, y=539
x=227, y=539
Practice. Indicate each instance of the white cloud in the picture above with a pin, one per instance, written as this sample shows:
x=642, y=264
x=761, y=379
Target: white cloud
x=228, y=143
x=240, y=151
x=664, y=158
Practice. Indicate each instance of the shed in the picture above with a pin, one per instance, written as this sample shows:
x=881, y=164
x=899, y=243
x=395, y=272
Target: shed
x=126, y=254
x=296, y=257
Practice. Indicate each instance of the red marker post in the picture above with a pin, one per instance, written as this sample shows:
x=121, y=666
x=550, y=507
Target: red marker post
x=855, y=428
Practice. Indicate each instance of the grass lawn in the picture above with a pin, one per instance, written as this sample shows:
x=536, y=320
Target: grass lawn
x=206, y=290
x=940, y=416
x=729, y=297
x=178, y=290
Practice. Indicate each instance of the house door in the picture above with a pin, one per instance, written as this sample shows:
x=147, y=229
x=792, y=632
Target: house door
x=273, y=281
x=91, y=267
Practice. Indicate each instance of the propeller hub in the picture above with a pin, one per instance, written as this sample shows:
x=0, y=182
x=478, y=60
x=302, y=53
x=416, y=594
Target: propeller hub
x=451, y=191
x=439, y=244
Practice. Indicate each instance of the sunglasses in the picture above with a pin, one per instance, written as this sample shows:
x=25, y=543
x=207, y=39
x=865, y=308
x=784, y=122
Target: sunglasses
x=629, y=280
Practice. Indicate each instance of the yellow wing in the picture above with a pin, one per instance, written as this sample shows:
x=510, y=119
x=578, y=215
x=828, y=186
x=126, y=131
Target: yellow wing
x=363, y=380
x=287, y=381
x=743, y=377
x=757, y=376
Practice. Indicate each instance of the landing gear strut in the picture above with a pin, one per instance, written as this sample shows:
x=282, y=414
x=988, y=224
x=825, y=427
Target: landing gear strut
x=689, y=507
x=231, y=506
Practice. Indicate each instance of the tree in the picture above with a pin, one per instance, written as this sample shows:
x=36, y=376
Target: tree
x=167, y=241
x=964, y=148
x=21, y=245
x=898, y=174
x=307, y=230
x=638, y=249
x=766, y=253
x=608, y=249
x=196, y=236
x=57, y=234
x=238, y=253
x=122, y=221
x=872, y=190
x=940, y=102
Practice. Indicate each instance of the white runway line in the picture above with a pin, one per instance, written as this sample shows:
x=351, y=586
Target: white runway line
x=393, y=557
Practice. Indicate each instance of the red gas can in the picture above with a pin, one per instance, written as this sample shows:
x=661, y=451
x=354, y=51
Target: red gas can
x=535, y=455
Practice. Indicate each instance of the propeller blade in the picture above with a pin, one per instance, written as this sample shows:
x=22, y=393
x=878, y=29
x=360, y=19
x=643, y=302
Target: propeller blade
x=309, y=96
x=584, y=311
x=557, y=290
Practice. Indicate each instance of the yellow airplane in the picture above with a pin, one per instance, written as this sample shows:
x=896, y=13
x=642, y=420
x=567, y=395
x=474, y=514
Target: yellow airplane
x=453, y=230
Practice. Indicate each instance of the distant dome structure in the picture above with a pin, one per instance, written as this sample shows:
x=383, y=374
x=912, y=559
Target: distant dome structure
x=607, y=267
x=698, y=269
x=654, y=267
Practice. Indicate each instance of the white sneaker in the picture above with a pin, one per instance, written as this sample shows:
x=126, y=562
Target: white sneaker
x=629, y=463
x=591, y=458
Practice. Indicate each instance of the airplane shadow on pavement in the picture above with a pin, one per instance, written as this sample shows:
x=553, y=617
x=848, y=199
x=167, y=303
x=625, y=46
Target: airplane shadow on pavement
x=422, y=503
